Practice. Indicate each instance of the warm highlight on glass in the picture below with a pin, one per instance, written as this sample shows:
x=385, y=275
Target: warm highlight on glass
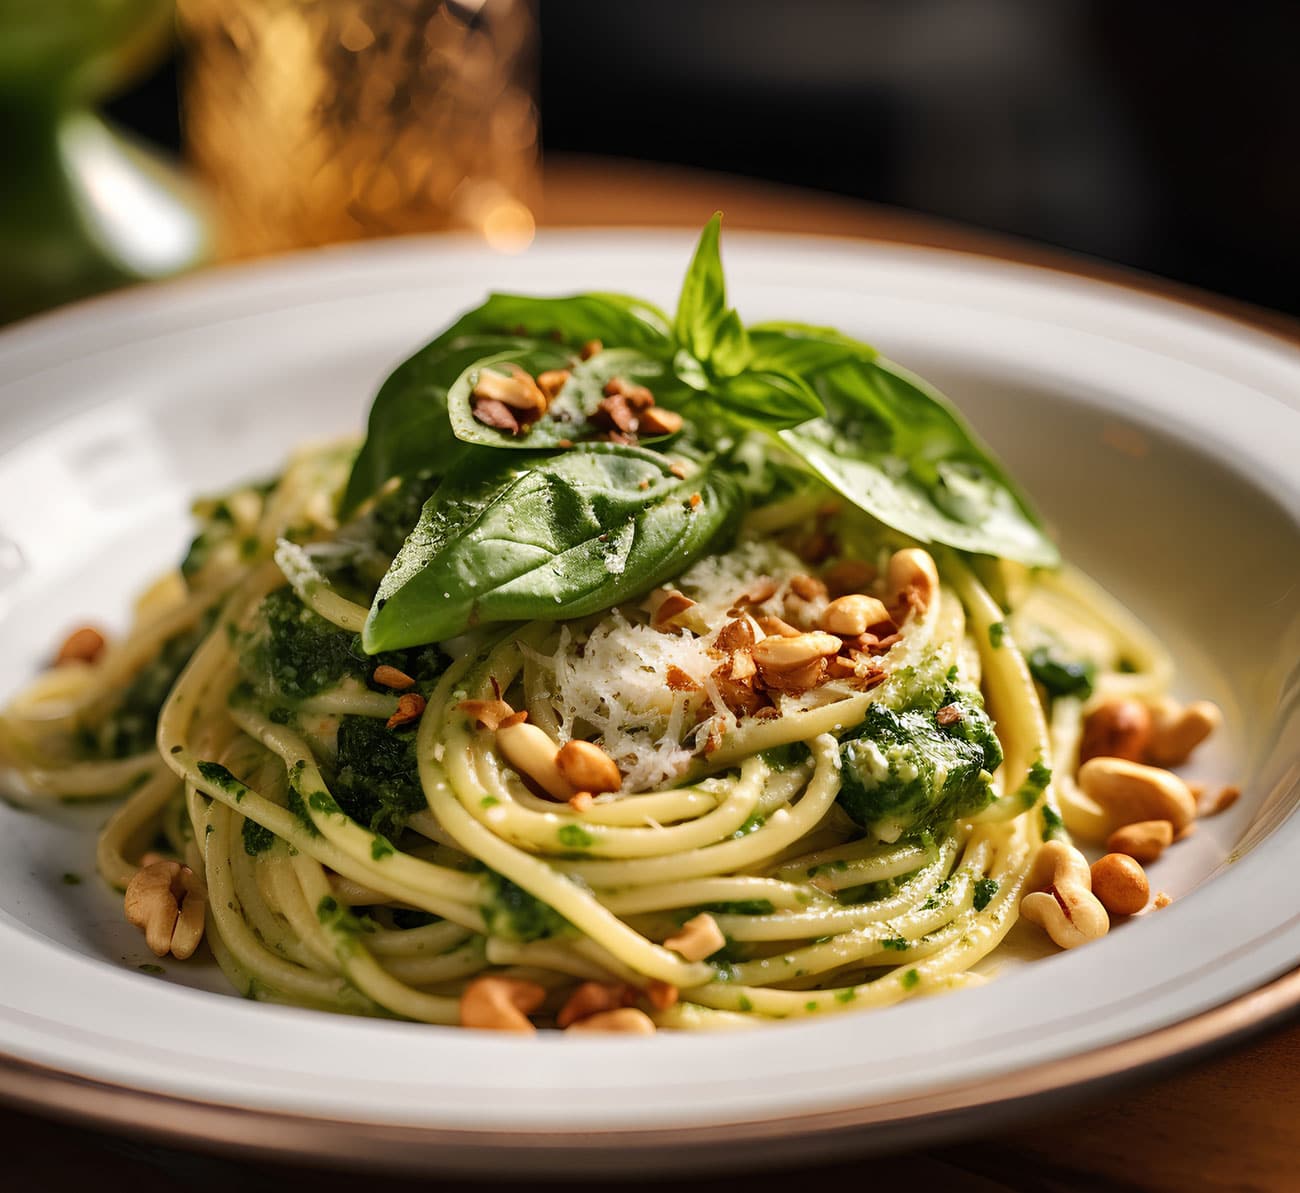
x=316, y=121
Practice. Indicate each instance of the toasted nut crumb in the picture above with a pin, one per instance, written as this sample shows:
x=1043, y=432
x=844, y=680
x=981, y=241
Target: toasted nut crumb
x=1162, y=900
x=84, y=646
x=757, y=591
x=661, y=995
x=410, y=707
x=624, y=1021
x=698, y=938
x=587, y=767
x=1176, y=731
x=591, y=348
x=797, y=680
x=809, y=588
x=515, y=718
x=1144, y=841
x=1227, y=796
x=582, y=802
x=742, y=665
x=590, y=998
x=487, y=714
x=666, y=606
x=777, y=654
x=1118, y=728
x=848, y=575
x=497, y=415
x=695, y=500
x=1120, y=883
x=500, y=1004
x=615, y=414
x=552, y=381
x=678, y=470
x=737, y=693
x=854, y=614
x=679, y=681
x=949, y=714
x=391, y=677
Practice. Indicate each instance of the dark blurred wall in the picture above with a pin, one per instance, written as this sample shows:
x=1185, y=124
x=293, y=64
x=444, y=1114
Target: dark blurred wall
x=1157, y=134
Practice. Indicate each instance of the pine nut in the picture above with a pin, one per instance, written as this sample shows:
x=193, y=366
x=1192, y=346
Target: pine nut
x=624, y=1021
x=775, y=627
x=1129, y=792
x=1177, y=731
x=552, y=381
x=532, y=753
x=667, y=606
x=1120, y=884
x=657, y=421
x=698, y=938
x=518, y=391
x=391, y=677
x=1116, y=729
x=500, y=1004
x=854, y=614
x=1144, y=841
x=587, y=767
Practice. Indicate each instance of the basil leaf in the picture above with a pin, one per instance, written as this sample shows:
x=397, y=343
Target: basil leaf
x=705, y=327
x=895, y=448
x=567, y=419
x=616, y=320
x=764, y=400
x=800, y=348
x=551, y=537
x=408, y=431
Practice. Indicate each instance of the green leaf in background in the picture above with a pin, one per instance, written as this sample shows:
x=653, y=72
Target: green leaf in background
x=896, y=449
x=764, y=400
x=616, y=320
x=705, y=328
x=508, y=538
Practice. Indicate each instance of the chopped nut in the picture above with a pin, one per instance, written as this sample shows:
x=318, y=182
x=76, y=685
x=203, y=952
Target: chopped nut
x=487, y=714
x=679, y=681
x=736, y=635
x=698, y=938
x=949, y=714
x=518, y=391
x=737, y=693
x=83, y=646
x=854, y=614
x=1161, y=900
x=615, y=414
x=742, y=665
x=497, y=415
x=582, y=802
x=1224, y=800
x=552, y=381
x=666, y=606
x=759, y=590
x=1119, y=728
x=658, y=421
x=591, y=348
x=848, y=575
x=409, y=708
x=886, y=644
x=809, y=588
x=623, y=1021
x=799, y=679
x=781, y=654
x=695, y=500
x=1144, y=840
x=636, y=396
x=515, y=718
x=500, y=1004
x=531, y=752
x=391, y=677
x=775, y=627
x=678, y=470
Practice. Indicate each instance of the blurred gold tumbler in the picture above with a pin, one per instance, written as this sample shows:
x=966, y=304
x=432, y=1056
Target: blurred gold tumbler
x=314, y=121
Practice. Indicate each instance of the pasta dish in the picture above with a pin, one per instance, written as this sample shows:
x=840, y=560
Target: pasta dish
x=634, y=672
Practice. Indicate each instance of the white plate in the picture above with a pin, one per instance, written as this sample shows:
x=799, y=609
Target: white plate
x=1160, y=441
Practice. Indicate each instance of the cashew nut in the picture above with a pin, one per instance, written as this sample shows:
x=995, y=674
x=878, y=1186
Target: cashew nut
x=500, y=1004
x=1061, y=899
x=1176, y=731
x=698, y=938
x=624, y=1021
x=1144, y=841
x=167, y=900
x=911, y=571
x=775, y=655
x=1128, y=792
x=592, y=998
x=81, y=646
x=1119, y=728
x=853, y=614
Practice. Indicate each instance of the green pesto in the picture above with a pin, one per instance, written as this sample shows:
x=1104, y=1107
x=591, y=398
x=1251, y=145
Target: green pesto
x=220, y=776
x=738, y=907
x=488, y=801
x=378, y=778
x=1053, y=825
x=515, y=914
x=256, y=838
x=1039, y=776
x=380, y=848
x=150, y=967
x=848, y=994
x=322, y=801
x=410, y=917
x=755, y=822
x=997, y=634
x=299, y=809
x=985, y=889
x=71, y=879
x=334, y=915
x=911, y=979
x=574, y=836
x=744, y=1004
x=810, y=1006
x=1061, y=676
x=897, y=943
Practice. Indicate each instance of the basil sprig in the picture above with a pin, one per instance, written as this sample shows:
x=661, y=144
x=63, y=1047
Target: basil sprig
x=550, y=523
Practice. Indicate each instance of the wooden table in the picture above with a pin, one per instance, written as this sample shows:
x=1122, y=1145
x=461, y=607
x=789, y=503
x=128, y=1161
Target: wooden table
x=1230, y=1123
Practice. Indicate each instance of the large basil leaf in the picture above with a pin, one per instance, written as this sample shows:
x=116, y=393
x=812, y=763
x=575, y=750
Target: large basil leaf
x=408, y=429
x=557, y=536
x=567, y=418
x=895, y=448
x=706, y=329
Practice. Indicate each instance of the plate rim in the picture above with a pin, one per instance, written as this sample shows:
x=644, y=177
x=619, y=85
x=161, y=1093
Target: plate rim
x=341, y=1140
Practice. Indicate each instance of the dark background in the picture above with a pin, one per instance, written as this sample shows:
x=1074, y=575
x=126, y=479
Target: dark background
x=1161, y=135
